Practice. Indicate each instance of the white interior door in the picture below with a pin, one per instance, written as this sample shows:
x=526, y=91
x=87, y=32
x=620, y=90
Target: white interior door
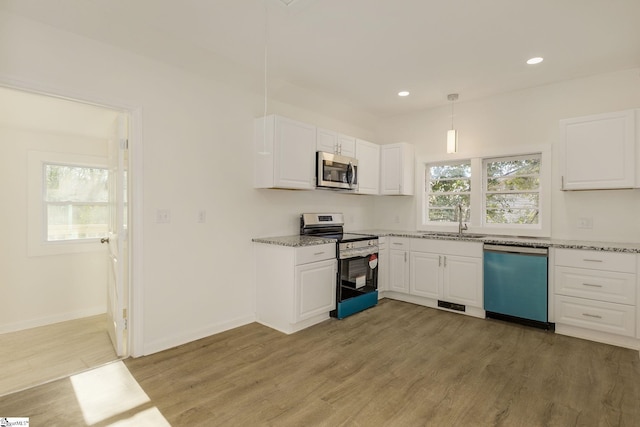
x=117, y=241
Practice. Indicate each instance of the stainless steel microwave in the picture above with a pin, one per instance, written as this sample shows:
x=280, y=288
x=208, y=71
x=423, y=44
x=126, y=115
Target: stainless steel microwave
x=335, y=171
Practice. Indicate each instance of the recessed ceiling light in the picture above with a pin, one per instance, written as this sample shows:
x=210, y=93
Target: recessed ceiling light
x=403, y=93
x=535, y=60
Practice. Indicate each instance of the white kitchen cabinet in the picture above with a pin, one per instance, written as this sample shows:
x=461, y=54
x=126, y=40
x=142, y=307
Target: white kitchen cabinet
x=284, y=153
x=295, y=287
x=599, y=151
x=331, y=141
x=383, y=265
x=425, y=274
x=397, y=169
x=425, y=271
x=595, y=295
x=399, y=264
x=315, y=296
x=368, y=155
x=447, y=270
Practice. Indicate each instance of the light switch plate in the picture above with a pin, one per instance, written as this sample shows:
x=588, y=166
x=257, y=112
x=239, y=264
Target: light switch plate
x=586, y=223
x=163, y=216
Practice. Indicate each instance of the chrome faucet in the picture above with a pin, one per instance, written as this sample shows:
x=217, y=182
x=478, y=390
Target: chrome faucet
x=461, y=227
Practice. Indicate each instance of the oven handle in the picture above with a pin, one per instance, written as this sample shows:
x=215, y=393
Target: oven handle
x=358, y=253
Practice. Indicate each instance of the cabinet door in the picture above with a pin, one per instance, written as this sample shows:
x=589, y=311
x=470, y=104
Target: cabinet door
x=390, y=173
x=327, y=140
x=294, y=162
x=462, y=280
x=599, y=151
x=425, y=274
x=398, y=271
x=383, y=269
x=315, y=289
x=346, y=146
x=397, y=169
x=368, y=156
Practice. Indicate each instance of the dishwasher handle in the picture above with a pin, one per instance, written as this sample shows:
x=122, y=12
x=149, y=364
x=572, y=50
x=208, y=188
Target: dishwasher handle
x=523, y=250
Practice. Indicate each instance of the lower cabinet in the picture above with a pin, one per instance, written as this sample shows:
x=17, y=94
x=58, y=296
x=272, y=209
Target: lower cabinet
x=383, y=266
x=296, y=287
x=595, y=296
x=437, y=273
x=315, y=289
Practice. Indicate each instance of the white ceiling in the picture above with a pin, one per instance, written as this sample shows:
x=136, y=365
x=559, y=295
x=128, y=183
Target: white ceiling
x=362, y=52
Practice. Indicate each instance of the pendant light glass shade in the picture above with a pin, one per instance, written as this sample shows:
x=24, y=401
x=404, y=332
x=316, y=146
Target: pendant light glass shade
x=452, y=135
x=452, y=141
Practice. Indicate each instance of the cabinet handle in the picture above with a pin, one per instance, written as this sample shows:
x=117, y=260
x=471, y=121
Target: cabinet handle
x=562, y=185
x=439, y=260
x=593, y=285
x=595, y=316
x=591, y=260
x=445, y=261
x=397, y=243
x=405, y=257
x=319, y=253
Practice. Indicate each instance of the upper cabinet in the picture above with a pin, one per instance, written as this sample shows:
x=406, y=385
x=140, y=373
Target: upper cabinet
x=599, y=151
x=368, y=155
x=397, y=169
x=284, y=153
x=333, y=142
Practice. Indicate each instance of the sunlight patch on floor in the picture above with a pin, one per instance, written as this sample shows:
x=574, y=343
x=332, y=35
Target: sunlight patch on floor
x=107, y=392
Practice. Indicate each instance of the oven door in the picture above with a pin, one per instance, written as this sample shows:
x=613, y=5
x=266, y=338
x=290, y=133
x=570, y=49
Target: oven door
x=357, y=275
x=334, y=171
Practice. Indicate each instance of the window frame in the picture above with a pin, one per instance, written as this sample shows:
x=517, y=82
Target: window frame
x=46, y=204
x=477, y=222
x=485, y=191
x=427, y=186
x=37, y=243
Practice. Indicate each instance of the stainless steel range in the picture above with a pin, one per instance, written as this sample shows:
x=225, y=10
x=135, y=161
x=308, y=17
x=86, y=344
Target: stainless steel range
x=357, y=280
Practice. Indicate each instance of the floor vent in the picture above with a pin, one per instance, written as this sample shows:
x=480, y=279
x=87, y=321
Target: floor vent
x=451, y=305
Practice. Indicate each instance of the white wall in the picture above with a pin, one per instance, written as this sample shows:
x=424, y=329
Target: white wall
x=37, y=290
x=197, y=137
x=526, y=118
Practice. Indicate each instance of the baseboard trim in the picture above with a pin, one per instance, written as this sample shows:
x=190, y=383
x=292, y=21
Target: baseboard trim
x=176, y=340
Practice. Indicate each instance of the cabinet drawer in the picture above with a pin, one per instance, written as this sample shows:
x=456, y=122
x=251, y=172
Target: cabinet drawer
x=608, y=286
x=599, y=316
x=400, y=243
x=596, y=260
x=315, y=253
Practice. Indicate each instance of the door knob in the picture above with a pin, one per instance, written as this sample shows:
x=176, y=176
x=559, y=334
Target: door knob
x=104, y=240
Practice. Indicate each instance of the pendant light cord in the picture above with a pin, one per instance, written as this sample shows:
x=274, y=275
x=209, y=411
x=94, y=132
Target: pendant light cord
x=266, y=43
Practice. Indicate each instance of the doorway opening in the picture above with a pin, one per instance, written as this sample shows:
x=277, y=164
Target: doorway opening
x=64, y=305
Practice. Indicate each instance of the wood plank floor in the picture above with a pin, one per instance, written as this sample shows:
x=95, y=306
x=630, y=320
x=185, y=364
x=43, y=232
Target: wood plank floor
x=42, y=354
x=396, y=364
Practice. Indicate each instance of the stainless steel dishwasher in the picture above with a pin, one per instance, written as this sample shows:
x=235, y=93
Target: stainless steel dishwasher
x=516, y=284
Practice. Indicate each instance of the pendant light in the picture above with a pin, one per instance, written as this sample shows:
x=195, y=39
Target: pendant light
x=452, y=135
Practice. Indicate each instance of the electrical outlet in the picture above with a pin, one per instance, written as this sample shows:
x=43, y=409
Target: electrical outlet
x=202, y=216
x=586, y=223
x=163, y=216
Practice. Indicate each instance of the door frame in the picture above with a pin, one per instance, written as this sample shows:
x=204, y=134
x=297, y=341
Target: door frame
x=135, y=344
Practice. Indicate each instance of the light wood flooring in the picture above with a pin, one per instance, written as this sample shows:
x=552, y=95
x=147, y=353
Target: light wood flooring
x=42, y=354
x=396, y=364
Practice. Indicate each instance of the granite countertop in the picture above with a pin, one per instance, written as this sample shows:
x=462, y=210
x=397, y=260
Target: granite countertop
x=301, y=241
x=295, y=241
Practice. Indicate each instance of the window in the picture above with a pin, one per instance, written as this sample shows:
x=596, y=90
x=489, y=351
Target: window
x=448, y=185
x=512, y=190
x=505, y=193
x=75, y=202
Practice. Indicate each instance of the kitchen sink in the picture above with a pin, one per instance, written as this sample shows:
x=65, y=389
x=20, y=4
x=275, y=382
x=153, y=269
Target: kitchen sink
x=455, y=235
